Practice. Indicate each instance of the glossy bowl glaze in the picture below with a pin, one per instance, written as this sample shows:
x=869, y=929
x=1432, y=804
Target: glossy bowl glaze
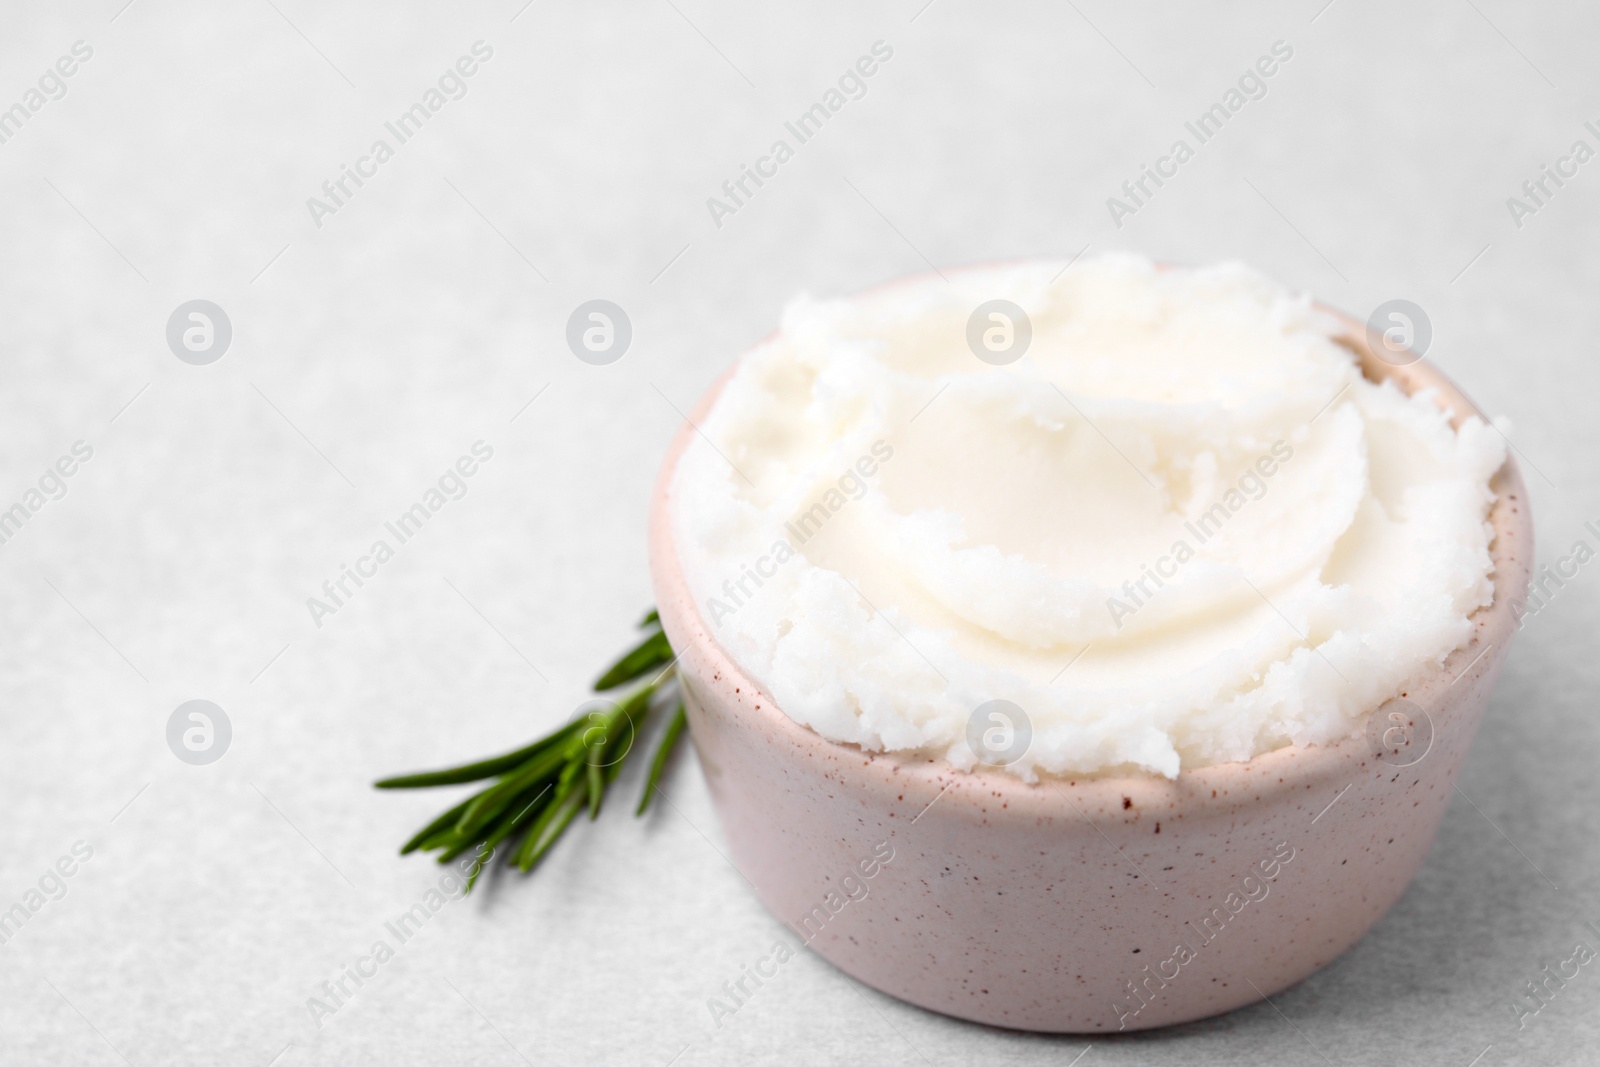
x=1099, y=904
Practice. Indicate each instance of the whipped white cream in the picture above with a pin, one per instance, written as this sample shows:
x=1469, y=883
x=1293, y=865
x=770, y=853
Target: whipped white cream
x=1181, y=529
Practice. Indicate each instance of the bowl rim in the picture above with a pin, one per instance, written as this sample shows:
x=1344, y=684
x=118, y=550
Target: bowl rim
x=1280, y=770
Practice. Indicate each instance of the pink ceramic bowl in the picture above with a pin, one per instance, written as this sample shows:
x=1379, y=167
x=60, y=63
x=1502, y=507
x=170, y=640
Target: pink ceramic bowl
x=1096, y=905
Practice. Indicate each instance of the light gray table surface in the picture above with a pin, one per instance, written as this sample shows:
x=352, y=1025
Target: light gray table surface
x=374, y=344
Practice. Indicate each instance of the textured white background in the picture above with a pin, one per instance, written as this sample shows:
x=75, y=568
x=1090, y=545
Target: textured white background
x=375, y=350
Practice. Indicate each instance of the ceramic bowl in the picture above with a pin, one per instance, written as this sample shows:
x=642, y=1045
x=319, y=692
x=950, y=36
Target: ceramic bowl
x=1099, y=904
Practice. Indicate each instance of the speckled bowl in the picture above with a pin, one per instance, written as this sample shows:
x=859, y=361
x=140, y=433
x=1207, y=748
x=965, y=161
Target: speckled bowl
x=1095, y=905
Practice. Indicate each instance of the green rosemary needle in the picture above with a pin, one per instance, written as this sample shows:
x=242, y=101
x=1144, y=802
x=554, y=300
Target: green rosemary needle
x=540, y=788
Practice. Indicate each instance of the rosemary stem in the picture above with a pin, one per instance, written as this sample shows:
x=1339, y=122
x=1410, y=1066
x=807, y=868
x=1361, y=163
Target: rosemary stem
x=540, y=788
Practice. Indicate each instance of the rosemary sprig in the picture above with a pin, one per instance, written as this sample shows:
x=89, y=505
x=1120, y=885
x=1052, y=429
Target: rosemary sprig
x=541, y=787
